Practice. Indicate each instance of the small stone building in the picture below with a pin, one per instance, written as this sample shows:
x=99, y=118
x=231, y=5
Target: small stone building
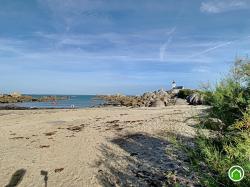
x=175, y=89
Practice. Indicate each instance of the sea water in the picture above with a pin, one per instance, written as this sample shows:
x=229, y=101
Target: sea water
x=73, y=101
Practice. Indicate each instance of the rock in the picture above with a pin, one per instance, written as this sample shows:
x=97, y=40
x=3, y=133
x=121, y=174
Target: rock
x=166, y=100
x=15, y=94
x=147, y=95
x=147, y=103
x=161, y=93
x=12, y=107
x=133, y=154
x=160, y=98
x=157, y=103
x=179, y=101
x=213, y=124
x=195, y=99
x=15, y=98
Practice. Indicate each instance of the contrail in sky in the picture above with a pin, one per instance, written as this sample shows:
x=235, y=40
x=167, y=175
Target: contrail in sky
x=211, y=49
x=216, y=47
x=165, y=45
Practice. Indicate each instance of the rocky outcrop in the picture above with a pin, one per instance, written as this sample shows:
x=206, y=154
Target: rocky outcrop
x=158, y=98
x=157, y=103
x=179, y=101
x=25, y=98
x=14, y=99
x=12, y=107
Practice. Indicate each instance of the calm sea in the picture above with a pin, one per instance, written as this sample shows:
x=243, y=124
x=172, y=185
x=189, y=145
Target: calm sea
x=78, y=101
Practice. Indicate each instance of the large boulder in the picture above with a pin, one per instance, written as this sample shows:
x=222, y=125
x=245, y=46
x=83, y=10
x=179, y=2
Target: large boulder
x=166, y=100
x=184, y=93
x=161, y=93
x=179, y=101
x=158, y=98
x=157, y=103
x=213, y=124
x=195, y=99
x=147, y=95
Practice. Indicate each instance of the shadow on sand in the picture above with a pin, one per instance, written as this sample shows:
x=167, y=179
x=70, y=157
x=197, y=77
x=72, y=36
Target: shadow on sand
x=145, y=162
x=16, y=178
x=45, y=175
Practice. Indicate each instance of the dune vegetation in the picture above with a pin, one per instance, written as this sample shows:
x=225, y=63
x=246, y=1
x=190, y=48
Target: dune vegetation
x=228, y=120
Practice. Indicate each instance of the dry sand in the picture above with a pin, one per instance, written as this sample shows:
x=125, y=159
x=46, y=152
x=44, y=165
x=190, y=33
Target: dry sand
x=91, y=147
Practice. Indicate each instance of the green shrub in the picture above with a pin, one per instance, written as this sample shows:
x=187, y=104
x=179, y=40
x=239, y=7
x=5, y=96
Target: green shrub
x=244, y=124
x=219, y=154
x=230, y=101
x=231, y=96
x=185, y=92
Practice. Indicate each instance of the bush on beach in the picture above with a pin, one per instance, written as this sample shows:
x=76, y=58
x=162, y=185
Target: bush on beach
x=184, y=93
x=231, y=97
x=228, y=144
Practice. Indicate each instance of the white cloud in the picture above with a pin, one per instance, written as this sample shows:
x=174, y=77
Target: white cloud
x=8, y=45
x=70, y=13
x=218, y=6
x=201, y=69
x=68, y=6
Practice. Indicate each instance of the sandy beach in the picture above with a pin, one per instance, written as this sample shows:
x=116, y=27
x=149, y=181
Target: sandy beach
x=91, y=147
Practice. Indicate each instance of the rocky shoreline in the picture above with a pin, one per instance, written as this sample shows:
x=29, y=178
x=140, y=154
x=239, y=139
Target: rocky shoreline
x=27, y=98
x=157, y=98
x=160, y=98
x=15, y=107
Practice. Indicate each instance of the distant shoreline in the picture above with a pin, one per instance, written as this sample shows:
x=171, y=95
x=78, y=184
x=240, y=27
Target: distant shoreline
x=15, y=107
x=49, y=102
x=159, y=98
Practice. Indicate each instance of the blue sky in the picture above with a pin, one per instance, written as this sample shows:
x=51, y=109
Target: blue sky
x=110, y=46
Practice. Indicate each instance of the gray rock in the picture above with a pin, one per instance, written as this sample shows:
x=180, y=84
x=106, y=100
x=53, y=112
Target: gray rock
x=161, y=93
x=179, y=101
x=195, y=99
x=159, y=98
x=213, y=124
x=157, y=103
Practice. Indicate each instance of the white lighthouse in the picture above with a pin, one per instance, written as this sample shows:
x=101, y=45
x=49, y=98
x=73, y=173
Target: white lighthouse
x=173, y=84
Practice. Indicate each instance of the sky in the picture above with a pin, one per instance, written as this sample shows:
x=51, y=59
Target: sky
x=117, y=46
